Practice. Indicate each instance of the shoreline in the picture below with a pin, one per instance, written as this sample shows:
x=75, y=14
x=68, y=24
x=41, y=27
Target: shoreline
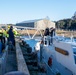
x=66, y=33
x=58, y=32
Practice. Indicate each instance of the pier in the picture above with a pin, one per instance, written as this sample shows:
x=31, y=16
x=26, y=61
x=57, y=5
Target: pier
x=21, y=59
x=21, y=63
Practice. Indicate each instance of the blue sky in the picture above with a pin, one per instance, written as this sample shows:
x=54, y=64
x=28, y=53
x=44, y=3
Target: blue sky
x=13, y=11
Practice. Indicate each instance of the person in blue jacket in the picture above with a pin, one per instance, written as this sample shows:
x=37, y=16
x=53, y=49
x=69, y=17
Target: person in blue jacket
x=11, y=35
x=0, y=46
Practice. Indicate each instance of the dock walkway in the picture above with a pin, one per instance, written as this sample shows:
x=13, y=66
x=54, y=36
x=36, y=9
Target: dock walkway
x=12, y=61
x=20, y=60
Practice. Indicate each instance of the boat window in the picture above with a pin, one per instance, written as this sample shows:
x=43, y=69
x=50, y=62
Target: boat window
x=74, y=52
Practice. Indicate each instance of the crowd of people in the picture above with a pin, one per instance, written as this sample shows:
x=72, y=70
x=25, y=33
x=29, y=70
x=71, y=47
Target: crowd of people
x=7, y=36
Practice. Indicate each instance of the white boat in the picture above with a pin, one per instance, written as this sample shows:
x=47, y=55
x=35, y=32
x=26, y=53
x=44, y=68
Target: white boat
x=63, y=54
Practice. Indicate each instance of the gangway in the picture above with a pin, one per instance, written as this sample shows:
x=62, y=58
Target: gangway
x=30, y=28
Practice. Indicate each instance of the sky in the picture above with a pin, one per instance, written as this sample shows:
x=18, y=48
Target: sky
x=15, y=11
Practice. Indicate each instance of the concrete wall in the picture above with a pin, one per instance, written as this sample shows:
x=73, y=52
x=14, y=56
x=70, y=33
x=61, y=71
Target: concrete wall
x=42, y=24
x=51, y=24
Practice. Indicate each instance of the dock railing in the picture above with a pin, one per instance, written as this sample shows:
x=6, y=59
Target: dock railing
x=3, y=60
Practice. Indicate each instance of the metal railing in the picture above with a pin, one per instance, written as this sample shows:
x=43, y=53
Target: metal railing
x=3, y=60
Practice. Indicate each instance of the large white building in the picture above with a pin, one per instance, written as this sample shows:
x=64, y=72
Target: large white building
x=37, y=23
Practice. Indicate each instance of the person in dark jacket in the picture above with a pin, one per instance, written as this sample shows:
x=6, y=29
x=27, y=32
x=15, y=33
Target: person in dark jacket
x=46, y=32
x=11, y=35
x=52, y=33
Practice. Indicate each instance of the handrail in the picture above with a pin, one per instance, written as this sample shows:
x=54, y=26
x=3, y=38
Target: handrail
x=3, y=60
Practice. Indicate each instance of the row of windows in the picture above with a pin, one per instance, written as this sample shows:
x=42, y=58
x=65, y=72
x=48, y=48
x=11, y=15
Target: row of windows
x=26, y=24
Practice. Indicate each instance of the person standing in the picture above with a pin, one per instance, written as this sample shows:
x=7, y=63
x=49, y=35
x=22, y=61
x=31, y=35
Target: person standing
x=46, y=32
x=1, y=35
x=0, y=46
x=11, y=35
x=46, y=36
x=51, y=33
x=4, y=35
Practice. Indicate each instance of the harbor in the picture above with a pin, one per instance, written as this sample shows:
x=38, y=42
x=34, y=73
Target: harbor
x=24, y=59
x=21, y=59
x=37, y=37
x=32, y=51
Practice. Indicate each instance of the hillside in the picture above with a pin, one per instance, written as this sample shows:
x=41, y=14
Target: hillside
x=66, y=24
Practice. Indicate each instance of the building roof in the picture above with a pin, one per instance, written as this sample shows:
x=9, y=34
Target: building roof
x=30, y=21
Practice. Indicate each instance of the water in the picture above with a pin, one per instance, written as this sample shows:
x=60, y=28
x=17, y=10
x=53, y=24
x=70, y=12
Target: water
x=66, y=39
x=32, y=43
